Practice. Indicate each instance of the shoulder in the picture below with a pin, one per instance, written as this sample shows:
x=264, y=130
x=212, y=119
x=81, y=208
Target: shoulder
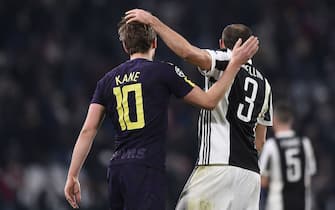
x=109, y=76
x=221, y=55
x=306, y=142
x=165, y=64
x=220, y=58
x=172, y=68
x=305, y=138
x=270, y=144
x=267, y=83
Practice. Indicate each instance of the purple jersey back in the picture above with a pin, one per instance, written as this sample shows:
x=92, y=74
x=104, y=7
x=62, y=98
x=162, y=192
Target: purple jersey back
x=136, y=96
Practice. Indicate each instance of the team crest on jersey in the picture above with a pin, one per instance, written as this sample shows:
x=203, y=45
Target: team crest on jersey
x=179, y=72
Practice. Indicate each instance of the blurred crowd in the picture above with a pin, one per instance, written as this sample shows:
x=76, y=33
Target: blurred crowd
x=52, y=53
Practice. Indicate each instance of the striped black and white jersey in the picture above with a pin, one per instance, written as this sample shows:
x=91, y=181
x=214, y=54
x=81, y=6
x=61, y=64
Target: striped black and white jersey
x=288, y=161
x=227, y=133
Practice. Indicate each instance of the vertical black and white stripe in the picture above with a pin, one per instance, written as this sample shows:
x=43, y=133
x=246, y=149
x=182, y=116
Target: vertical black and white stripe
x=225, y=136
x=283, y=192
x=204, y=136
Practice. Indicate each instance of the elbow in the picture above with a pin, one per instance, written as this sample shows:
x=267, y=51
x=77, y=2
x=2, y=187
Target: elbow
x=260, y=144
x=88, y=131
x=210, y=105
x=186, y=55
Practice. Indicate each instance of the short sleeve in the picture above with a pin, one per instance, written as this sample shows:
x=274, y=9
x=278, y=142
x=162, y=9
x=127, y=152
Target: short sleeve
x=220, y=60
x=265, y=116
x=99, y=93
x=310, y=157
x=178, y=83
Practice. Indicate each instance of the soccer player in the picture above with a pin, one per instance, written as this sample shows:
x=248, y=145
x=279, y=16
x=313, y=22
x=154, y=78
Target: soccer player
x=287, y=163
x=226, y=175
x=135, y=96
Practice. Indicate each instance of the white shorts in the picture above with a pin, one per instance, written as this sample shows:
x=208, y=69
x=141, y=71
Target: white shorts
x=221, y=188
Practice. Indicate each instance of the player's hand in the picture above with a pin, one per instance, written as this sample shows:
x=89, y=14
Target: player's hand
x=242, y=53
x=139, y=15
x=72, y=192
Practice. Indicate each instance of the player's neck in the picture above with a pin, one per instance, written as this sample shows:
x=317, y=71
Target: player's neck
x=147, y=56
x=282, y=128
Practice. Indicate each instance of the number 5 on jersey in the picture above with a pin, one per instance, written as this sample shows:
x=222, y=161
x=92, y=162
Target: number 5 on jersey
x=122, y=106
x=293, y=164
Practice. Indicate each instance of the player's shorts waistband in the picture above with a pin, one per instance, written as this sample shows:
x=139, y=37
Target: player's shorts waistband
x=216, y=164
x=223, y=164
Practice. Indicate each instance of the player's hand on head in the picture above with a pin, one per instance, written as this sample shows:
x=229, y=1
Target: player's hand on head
x=139, y=15
x=72, y=192
x=243, y=52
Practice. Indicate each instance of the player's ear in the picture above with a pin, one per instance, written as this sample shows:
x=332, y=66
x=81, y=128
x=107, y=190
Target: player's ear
x=125, y=48
x=154, y=43
x=221, y=44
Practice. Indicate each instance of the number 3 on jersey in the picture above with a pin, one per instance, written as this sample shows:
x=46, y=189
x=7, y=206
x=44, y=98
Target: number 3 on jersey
x=122, y=106
x=249, y=105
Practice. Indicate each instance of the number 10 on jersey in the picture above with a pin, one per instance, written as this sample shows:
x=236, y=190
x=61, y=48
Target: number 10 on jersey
x=122, y=106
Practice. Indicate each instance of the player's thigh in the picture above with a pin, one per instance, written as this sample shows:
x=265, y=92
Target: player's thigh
x=255, y=191
x=145, y=188
x=115, y=197
x=246, y=185
x=209, y=187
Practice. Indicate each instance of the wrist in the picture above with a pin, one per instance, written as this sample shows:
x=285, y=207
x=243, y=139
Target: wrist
x=154, y=22
x=235, y=65
x=72, y=176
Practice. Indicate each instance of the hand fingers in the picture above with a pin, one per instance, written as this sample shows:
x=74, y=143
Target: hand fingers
x=130, y=15
x=72, y=201
x=131, y=19
x=78, y=197
x=249, y=40
x=253, y=50
x=247, y=45
x=71, y=198
x=68, y=196
x=77, y=192
x=253, y=47
x=131, y=11
x=250, y=47
x=238, y=43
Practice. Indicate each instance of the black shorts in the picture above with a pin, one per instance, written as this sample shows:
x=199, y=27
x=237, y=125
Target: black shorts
x=136, y=187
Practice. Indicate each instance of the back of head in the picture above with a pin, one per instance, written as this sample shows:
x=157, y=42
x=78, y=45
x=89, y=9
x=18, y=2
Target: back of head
x=283, y=113
x=136, y=37
x=233, y=32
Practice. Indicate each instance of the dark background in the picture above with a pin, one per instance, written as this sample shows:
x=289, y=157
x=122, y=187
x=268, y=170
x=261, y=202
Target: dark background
x=52, y=52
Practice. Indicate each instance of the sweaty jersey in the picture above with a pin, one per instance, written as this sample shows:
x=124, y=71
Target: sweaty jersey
x=227, y=133
x=288, y=161
x=136, y=96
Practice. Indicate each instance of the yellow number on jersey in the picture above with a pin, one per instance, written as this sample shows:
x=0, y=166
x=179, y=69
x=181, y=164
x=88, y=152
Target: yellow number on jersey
x=122, y=106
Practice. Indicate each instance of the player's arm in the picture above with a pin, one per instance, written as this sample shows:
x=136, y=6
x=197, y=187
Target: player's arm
x=265, y=182
x=260, y=133
x=240, y=55
x=266, y=163
x=94, y=118
x=264, y=119
x=177, y=43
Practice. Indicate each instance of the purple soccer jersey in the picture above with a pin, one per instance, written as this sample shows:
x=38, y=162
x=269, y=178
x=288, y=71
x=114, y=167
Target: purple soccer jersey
x=136, y=96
